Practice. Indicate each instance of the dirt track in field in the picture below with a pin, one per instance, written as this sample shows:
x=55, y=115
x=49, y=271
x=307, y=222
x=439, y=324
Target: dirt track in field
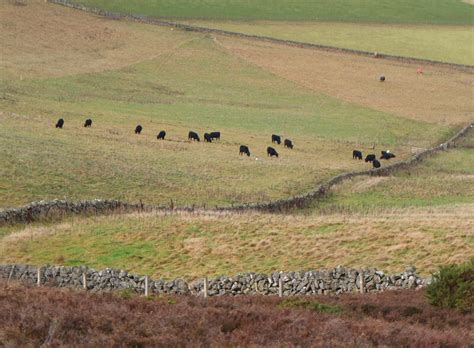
x=439, y=95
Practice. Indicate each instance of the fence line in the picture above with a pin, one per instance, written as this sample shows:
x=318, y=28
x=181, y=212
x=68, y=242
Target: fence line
x=325, y=281
x=194, y=28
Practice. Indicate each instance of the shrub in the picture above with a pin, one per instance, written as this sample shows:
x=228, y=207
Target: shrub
x=453, y=287
x=310, y=304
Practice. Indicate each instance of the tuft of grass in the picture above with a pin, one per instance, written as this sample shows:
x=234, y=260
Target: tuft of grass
x=312, y=305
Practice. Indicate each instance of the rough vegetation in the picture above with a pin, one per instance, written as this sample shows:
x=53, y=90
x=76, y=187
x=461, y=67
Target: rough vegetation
x=34, y=316
x=453, y=287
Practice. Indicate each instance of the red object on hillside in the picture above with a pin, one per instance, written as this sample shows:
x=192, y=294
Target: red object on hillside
x=419, y=70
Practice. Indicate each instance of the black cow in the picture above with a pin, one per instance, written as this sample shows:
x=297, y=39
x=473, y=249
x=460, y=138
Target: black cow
x=387, y=155
x=207, y=138
x=276, y=139
x=60, y=123
x=88, y=123
x=161, y=135
x=271, y=152
x=288, y=143
x=382, y=78
x=244, y=149
x=138, y=129
x=193, y=136
x=375, y=163
x=370, y=158
x=215, y=135
x=356, y=154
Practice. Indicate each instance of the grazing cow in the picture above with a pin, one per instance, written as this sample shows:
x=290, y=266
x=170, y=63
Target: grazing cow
x=207, y=138
x=356, y=154
x=375, y=163
x=161, y=135
x=276, y=139
x=271, y=152
x=138, y=129
x=387, y=155
x=60, y=123
x=288, y=143
x=244, y=149
x=88, y=123
x=193, y=136
x=215, y=135
x=370, y=158
x=382, y=78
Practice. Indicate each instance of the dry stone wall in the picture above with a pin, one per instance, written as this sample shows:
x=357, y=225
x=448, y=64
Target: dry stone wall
x=57, y=208
x=333, y=281
x=151, y=20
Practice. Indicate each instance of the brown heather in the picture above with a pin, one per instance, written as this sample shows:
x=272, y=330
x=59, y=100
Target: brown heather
x=61, y=317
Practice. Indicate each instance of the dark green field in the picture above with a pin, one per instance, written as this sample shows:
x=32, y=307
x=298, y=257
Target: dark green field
x=374, y=11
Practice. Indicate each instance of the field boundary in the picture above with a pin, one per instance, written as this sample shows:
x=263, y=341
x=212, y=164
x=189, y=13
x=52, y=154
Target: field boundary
x=194, y=28
x=324, y=281
x=59, y=208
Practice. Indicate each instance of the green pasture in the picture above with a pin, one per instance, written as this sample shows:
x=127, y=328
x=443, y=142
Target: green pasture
x=452, y=44
x=374, y=11
x=195, y=87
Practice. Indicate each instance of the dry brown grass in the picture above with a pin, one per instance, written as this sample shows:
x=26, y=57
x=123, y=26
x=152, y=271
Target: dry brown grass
x=44, y=40
x=441, y=95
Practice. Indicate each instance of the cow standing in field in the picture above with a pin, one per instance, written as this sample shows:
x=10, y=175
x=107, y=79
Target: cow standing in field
x=375, y=163
x=193, y=136
x=215, y=135
x=356, y=154
x=207, y=138
x=161, y=135
x=369, y=158
x=88, y=123
x=288, y=143
x=244, y=150
x=382, y=78
x=138, y=129
x=60, y=123
x=272, y=152
x=276, y=139
x=387, y=155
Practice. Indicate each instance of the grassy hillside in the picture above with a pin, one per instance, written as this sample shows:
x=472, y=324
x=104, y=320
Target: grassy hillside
x=435, y=42
x=378, y=11
x=421, y=217
x=183, y=81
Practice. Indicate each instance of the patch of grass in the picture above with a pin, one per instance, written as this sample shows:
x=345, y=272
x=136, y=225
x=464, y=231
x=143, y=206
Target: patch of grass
x=312, y=305
x=193, y=246
x=442, y=43
x=379, y=11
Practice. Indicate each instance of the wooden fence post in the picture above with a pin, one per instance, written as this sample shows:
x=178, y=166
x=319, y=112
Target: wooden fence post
x=205, y=287
x=280, y=287
x=38, y=276
x=11, y=273
x=84, y=281
x=362, y=281
x=146, y=286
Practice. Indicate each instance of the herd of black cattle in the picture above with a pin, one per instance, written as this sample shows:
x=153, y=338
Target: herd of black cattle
x=244, y=149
